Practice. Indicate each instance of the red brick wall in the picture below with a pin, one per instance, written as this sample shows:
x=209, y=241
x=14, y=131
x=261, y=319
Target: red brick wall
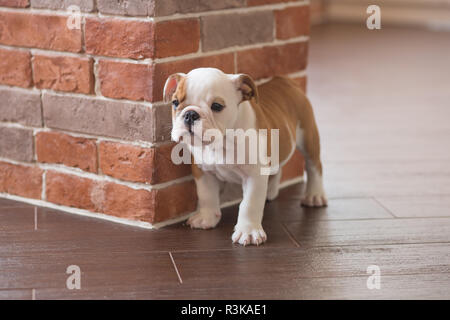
x=82, y=124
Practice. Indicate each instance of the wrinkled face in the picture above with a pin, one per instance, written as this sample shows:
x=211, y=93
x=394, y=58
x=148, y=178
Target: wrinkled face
x=203, y=99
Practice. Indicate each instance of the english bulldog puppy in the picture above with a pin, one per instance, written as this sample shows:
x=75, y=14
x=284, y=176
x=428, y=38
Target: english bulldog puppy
x=207, y=99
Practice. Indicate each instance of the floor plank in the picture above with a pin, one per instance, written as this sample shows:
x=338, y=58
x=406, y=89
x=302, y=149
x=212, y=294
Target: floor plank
x=287, y=208
x=313, y=272
x=418, y=206
x=311, y=232
x=6, y=203
x=56, y=232
x=421, y=286
x=385, y=179
x=16, y=294
x=16, y=219
x=98, y=268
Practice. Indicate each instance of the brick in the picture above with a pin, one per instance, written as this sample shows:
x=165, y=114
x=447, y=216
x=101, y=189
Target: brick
x=252, y=3
x=38, y=31
x=162, y=115
x=151, y=206
x=124, y=202
x=294, y=167
x=125, y=80
x=15, y=68
x=301, y=82
x=55, y=147
x=120, y=200
x=63, y=73
x=16, y=144
x=115, y=119
x=84, y=5
x=292, y=22
x=22, y=106
x=163, y=167
x=137, y=164
x=70, y=190
x=125, y=7
x=14, y=3
x=20, y=180
x=119, y=38
x=162, y=71
x=170, y=7
x=176, y=37
x=174, y=201
x=126, y=162
x=226, y=30
x=273, y=60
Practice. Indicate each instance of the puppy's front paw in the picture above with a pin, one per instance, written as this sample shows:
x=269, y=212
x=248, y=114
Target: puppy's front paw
x=314, y=199
x=205, y=219
x=246, y=235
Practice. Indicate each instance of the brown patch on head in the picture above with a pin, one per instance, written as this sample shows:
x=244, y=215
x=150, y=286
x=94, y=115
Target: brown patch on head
x=247, y=87
x=175, y=89
x=180, y=93
x=180, y=96
x=171, y=85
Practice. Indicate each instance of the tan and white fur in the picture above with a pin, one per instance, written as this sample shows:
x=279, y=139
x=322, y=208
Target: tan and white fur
x=276, y=104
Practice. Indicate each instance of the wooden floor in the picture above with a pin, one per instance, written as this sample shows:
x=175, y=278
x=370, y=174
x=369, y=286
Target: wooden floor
x=382, y=102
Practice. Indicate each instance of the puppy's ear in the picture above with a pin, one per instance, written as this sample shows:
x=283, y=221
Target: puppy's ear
x=247, y=86
x=171, y=85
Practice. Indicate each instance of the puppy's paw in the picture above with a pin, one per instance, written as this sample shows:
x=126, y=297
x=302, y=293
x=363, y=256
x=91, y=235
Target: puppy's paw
x=205, y=219
x=249, y=235
x=314, y=199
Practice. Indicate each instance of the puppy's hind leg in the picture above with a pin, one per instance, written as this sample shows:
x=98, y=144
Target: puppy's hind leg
x=273, y=186
x=309, y=144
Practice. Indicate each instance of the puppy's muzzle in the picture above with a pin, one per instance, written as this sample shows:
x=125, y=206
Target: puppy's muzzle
x=190, y=117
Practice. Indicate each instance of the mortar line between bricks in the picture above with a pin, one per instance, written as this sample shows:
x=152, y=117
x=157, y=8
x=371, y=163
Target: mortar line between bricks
x=233, y=49
x=97, y=177
x=149, y=62
x=176, y=16
x=95, y=70
x=66, y=13
x=265, y=7
x=44, y=186
x=83, y=33
x=77, y=95
x=99, y=98
x=36, y=130
x=55, y=53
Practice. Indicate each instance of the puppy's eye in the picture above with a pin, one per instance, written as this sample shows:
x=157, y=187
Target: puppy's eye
x=175, y=103
x=216, y=107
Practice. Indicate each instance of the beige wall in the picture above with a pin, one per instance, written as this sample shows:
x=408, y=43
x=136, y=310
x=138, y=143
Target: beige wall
x=426, y=13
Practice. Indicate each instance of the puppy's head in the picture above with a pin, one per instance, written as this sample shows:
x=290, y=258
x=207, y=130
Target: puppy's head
x=205, y=98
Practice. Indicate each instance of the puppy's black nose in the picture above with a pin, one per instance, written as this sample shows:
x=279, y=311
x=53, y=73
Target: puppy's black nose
x=190, y=116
